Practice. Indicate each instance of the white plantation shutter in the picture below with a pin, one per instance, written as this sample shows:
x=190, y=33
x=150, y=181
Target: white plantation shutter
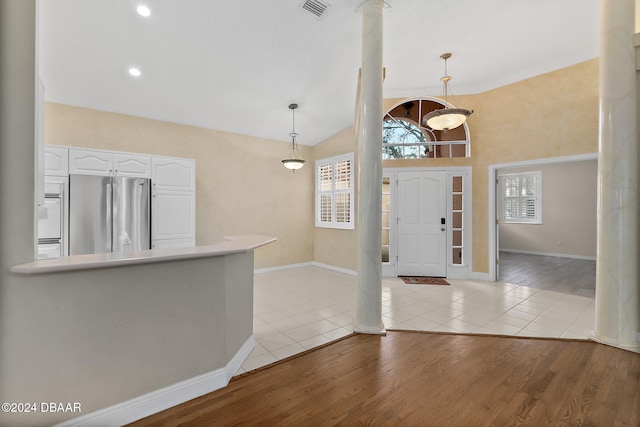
x=522, y=194
x=326, y=177
x=334, y=192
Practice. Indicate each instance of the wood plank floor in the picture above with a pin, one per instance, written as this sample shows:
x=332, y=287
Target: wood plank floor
x=428, y=379
x=566, y=275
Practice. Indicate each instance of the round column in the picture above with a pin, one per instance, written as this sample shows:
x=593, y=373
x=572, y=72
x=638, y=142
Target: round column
x=616, y=320
x=369, y=160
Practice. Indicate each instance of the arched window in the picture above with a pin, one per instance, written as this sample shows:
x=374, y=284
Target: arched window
x=404, y=137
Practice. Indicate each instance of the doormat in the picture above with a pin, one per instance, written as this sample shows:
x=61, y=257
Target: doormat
x=421, y=280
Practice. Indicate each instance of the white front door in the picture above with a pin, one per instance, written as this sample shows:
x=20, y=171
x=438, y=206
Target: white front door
x=422, y=237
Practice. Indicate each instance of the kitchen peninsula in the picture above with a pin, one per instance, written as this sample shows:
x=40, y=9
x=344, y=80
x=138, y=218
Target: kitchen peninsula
x=135, y=333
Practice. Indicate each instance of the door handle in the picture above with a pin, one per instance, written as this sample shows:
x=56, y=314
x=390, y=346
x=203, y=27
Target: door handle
x=442, y=229
x=109, y=217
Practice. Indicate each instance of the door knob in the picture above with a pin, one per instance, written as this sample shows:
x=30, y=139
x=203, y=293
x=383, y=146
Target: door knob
x=442, y=229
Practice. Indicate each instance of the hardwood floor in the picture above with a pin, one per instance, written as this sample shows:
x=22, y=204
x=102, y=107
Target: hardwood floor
x=428, y=379
x=567, y=275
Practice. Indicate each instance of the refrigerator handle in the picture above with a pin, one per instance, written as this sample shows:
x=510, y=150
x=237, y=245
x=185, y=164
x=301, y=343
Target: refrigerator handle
x=108, y=216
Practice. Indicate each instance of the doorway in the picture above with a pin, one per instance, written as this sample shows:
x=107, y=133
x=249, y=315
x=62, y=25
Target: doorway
x=421, y=218
x=565, y=234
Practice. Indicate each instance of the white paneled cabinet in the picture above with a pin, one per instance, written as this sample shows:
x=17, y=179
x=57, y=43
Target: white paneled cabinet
x=173, y=185
x=93, y=162
x=56, y=161
x=132, y=165
x=173, y=215
x=174, y=202
x=89, y=162
x=174, y=174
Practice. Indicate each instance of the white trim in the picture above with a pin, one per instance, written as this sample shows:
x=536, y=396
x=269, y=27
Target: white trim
x=492, y=214
x=458, y=271
x=463, y=271
x=478, y=275
x=164, y=398
x=306, y=264
x=334, y=268
x=333, y=161
x=537, y=198
x=281, y=267
x=518, y=251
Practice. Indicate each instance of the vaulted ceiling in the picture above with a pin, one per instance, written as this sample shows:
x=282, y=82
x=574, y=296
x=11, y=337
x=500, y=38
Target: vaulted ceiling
x=235, y=65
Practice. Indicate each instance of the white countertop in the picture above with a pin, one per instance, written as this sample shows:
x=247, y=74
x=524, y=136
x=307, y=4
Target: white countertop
x=231, y=245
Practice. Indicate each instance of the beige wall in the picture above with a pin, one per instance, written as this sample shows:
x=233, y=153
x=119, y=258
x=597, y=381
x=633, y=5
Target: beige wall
x=519, y=122
x=335, y=247
x=569, y=212
x=551, y=115
x=512, y=123
x=242, y=187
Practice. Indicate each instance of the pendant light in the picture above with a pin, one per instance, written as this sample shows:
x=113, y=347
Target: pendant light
x=294, y=160
x=446, y=118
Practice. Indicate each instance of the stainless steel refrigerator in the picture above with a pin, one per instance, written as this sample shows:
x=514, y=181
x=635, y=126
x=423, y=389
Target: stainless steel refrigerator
x=108, y=214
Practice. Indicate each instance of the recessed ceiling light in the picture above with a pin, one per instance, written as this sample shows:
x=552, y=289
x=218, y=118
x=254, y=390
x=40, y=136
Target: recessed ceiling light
x=143, y=10
x=135, y=72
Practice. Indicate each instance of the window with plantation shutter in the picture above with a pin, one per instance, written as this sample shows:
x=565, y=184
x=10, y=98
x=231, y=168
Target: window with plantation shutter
x=334, y=192
x=521, y=198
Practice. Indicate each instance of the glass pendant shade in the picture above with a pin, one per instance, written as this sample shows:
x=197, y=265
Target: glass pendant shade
x=294, y=160
x=293, y=164
x=446, y=118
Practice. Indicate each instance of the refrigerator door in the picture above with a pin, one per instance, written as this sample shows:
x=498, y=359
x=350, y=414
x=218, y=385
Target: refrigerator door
x=131, y=214
x=90, y=209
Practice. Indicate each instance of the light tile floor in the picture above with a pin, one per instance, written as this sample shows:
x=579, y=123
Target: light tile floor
x=301, y=308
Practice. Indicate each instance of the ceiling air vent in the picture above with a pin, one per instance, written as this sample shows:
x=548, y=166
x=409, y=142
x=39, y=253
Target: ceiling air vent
x=316, y=7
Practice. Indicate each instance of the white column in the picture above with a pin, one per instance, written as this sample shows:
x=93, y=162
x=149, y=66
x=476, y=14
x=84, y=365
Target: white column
x=369, y=159
x=616, y=321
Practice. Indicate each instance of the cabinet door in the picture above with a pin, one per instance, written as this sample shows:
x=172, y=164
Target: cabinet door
x=85, y=162
x=173, y=243
x=132, y=165
x=174, y=174
x=56, y=161
x=173, y=215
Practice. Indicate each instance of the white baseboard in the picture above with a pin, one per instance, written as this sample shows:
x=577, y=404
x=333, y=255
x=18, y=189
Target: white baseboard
x=387, y=273
x=476, y=275
x=281, y=267
x=518, y=251
x=306, y=264
x=334, y=268
x=164, y=398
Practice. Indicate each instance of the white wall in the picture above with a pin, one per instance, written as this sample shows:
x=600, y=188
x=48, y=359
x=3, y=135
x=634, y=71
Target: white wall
x=569, y=208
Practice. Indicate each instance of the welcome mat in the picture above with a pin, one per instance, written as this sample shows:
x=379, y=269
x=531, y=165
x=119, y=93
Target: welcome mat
x=422, y=280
